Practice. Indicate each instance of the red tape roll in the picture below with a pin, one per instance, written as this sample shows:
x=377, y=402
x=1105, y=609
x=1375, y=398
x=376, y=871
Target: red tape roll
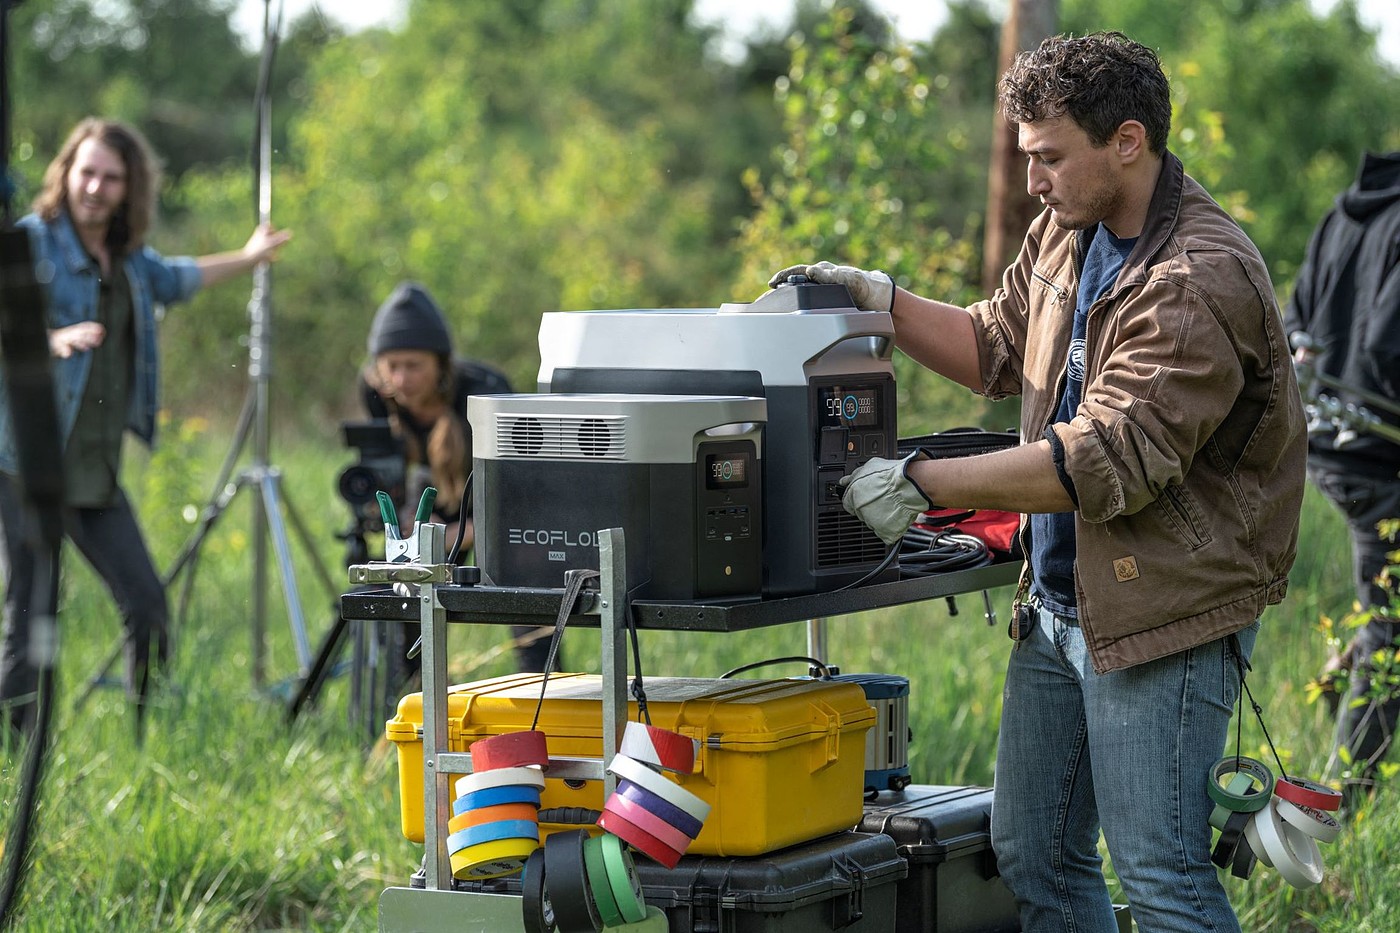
x=1307, y=793
x=649, y=822
x=661, y=748
x=639, y=839
x=510, y=750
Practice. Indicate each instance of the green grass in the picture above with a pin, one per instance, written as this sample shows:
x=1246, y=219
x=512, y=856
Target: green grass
x=228, y=819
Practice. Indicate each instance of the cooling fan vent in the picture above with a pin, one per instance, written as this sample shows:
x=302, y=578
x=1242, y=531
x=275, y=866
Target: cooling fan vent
x=557, y=437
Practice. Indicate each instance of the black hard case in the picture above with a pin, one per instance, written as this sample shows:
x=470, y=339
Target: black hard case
x=846, y=881
x=945, y=835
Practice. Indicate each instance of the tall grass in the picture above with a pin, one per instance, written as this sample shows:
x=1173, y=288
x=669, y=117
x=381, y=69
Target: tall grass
x=227, y=818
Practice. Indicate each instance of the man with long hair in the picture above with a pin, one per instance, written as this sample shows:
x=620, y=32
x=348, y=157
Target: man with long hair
x=1160, y=473
x=102, y=281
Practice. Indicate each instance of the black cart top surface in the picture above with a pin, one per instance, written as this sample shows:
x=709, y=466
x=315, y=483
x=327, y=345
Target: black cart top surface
x=540, y=606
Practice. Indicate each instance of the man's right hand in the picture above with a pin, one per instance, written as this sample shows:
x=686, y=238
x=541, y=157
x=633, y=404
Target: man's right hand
x=76, y=338
x=871, y=291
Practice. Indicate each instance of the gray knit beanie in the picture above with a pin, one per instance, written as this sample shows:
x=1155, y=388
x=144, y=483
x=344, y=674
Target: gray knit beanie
x=409, y=319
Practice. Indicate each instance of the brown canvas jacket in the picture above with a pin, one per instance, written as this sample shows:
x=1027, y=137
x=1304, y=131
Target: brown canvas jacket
x=1187, y=453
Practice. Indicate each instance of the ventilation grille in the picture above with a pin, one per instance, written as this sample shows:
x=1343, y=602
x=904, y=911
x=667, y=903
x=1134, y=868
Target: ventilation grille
x=556, y=437
x=844, y=540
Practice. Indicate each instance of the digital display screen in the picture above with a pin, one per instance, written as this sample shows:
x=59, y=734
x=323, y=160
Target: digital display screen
x=856, y=407
x=726, y=471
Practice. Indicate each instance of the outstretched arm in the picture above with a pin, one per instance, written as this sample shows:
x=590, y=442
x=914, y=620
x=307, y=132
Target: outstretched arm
x=261, y=247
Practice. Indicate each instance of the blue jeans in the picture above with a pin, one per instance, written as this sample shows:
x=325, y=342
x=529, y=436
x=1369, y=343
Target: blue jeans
x=1128, y=752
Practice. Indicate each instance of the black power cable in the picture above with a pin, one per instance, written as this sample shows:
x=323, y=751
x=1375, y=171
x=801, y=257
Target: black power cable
x=24, y=343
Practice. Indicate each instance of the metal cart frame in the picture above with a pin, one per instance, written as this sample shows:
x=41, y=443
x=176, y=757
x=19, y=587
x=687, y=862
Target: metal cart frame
x=437, y=907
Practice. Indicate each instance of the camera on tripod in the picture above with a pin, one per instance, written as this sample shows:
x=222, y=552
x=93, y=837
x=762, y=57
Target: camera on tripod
x=381, y=466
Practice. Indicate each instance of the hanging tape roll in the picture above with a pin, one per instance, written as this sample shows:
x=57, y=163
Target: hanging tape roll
x=492, y=832
x=536, y=911
x=1242, y=865
x=648, y=822
x=519, y=812
x=1251, y=834
x=623, y=878
x=1294, y=854
x=660, y=748
x=510, y=750
x=1319, y=824
x=639, y=839
x=1239, y=764
x=566, y=879
x=1308, y=793
x=660, y=806
x=1230, y=838
x=672, y=793
x=500, y=777
x=608, y=910
x=1241, y=785
x=495, y=797
x=491, y=859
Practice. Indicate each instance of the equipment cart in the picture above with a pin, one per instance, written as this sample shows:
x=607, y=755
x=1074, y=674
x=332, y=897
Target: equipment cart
x=438, y=600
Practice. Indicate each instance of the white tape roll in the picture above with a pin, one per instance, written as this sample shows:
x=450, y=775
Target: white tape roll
x=1294, y=854
x=672, y=793
x=500, y=777
x=1319, y=824
x=660, y=748
x=1251, y=836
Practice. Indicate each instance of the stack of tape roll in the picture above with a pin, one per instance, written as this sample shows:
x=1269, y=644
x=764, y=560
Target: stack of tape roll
x=1277, y=822
x=579, y=883
x=495, y=822
x=648, y=811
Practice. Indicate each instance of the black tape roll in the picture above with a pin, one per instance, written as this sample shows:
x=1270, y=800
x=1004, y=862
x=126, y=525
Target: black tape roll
x=1231, y=836
x=536, y=910
x=1242, y=865
x=566, y=882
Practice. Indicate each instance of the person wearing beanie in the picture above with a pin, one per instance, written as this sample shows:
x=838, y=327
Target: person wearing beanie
x=413, y=380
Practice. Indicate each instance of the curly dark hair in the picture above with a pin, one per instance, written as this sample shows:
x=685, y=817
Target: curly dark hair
x=1100, y=80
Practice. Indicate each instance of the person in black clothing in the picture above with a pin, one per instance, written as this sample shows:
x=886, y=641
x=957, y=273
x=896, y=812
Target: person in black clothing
x=1347, y=302
x=413, y=380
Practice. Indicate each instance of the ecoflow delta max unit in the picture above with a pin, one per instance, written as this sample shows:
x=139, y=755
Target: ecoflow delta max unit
x=824, y=369
x=681, y=475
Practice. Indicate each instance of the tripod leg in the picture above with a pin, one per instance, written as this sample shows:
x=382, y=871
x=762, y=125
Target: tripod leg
x=316, y=677
x=268, y=483
x=219, y=498
x=102, y=672
x=318, y=566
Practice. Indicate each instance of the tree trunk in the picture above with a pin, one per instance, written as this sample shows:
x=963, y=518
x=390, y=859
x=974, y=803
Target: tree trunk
x=1009, y=208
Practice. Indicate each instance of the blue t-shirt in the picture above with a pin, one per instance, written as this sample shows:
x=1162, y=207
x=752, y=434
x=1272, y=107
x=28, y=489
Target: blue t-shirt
x=1052, y=534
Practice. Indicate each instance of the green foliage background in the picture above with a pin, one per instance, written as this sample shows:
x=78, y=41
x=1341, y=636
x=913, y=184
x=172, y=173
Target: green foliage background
x=523, y=156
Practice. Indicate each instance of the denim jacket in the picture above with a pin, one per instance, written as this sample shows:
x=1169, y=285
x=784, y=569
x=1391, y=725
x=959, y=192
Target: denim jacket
x=69, y=277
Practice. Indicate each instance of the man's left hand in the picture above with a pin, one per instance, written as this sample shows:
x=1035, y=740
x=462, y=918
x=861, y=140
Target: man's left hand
x=881, y=494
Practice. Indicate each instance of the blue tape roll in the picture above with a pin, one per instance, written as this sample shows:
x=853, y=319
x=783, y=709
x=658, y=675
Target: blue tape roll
x=494, y=796
x=492, y=832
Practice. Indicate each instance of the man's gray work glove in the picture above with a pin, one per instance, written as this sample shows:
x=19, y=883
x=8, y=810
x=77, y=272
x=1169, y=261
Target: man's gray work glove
x=881, y=494
x=871, y=291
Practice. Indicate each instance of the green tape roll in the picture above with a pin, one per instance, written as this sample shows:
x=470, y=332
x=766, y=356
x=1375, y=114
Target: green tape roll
x=597, y=868
x=1240, y=802
x=622, y=876
x=1240, y=784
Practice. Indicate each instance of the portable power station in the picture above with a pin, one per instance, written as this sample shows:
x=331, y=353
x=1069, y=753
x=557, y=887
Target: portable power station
x=824, y=368
x=681, y=475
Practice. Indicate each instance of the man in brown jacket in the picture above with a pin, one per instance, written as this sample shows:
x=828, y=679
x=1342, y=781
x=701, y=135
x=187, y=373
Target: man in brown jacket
x=1161, y=472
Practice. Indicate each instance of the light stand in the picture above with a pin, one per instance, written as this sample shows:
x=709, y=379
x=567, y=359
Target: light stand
x=261, y=476
x=264, y=478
